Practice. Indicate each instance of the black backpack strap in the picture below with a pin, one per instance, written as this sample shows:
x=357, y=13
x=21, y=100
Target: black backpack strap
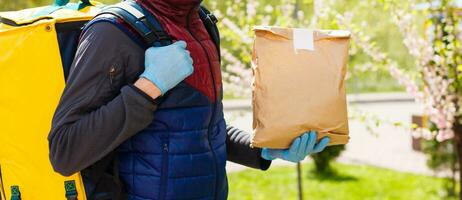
x=210, y=23
x=140, y=20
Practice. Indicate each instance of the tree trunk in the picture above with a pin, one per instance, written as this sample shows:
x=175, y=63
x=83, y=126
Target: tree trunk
x=296, y=9
x=458, y=140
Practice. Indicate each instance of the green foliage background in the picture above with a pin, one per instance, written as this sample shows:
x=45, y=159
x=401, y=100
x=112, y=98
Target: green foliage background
x=378, y=24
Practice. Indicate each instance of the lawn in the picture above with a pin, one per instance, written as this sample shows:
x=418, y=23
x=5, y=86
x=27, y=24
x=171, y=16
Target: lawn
x=351, y=182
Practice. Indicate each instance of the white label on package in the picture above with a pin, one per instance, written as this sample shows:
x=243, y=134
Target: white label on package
x=303, y=39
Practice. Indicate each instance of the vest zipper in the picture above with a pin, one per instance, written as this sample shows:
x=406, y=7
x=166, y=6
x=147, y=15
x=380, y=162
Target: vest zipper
x=215, y=104
x=164, y=170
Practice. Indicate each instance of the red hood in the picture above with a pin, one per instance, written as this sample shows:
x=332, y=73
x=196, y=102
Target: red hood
x=176, y=10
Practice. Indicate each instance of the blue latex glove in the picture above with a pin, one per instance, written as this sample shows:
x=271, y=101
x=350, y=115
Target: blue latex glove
x=300, y=148
x=167, y=66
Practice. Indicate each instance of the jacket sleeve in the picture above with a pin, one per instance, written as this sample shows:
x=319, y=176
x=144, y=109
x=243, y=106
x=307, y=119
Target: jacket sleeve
x=95, y=115
x=239, y=150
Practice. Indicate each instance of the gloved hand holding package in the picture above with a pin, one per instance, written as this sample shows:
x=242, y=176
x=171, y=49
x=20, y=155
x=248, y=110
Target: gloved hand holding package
x=299, y=85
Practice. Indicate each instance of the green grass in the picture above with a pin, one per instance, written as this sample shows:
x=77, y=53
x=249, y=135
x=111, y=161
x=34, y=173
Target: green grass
x=350, y=182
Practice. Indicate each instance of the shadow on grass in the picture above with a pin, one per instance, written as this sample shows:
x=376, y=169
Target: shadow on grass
x=330, y=175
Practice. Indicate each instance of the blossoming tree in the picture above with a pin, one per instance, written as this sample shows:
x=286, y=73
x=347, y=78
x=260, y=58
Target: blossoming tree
x=436, y=49
x=430, y=30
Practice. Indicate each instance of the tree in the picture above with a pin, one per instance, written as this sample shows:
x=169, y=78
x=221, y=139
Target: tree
x=436, y=51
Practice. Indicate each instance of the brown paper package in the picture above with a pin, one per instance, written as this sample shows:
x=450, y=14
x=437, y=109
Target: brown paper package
x=295, y=91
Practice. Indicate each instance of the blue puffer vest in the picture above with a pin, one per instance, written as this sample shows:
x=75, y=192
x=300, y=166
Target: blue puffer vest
x=182, y=154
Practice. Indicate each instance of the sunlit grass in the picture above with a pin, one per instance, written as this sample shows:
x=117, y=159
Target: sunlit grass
x=350, y=182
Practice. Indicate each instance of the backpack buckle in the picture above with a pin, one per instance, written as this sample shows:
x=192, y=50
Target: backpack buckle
x=157, y=36
x=161, y=35
x=15, y=193
x=212, y=18
x=71, y=190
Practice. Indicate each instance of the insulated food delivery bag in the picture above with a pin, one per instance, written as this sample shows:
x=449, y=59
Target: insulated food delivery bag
x=299, y=85
x=37, y=47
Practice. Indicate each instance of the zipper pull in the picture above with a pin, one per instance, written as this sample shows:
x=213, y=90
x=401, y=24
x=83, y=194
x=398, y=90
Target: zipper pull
x=111, y=74
x=165, y=147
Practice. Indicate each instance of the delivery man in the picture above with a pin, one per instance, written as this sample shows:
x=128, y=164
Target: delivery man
x=149, y=124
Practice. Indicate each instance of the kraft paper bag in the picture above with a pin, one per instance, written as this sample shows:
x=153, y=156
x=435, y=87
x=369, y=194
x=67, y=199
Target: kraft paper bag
x=299, y=85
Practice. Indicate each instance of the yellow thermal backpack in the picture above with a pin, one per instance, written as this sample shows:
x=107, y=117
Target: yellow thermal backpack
x=37, y=48
x=35, y=54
